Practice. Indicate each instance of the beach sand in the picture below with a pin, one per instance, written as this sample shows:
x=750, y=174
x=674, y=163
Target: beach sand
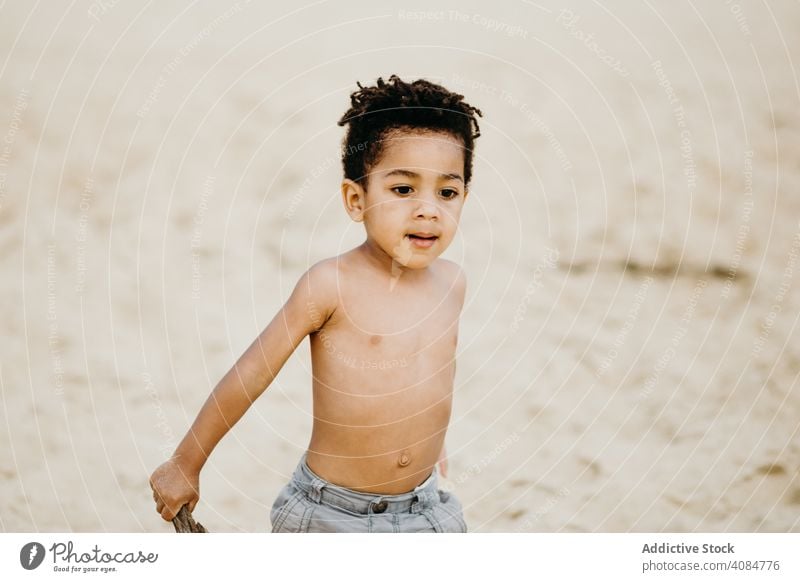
x=628, y=356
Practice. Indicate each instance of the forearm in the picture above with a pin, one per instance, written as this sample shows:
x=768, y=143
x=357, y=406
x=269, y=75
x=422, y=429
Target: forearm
x=253, y=372
x=222, y=410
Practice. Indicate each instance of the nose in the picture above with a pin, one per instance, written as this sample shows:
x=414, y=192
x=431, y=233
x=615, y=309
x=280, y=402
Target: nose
x=426, y=209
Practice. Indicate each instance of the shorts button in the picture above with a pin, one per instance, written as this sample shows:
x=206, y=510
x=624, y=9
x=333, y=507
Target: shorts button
x=380, y=507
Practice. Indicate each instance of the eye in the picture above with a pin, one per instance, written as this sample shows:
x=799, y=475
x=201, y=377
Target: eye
x=448, y=193
x=402, y=190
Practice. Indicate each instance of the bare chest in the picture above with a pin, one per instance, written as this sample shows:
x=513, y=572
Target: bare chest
x=377, y=331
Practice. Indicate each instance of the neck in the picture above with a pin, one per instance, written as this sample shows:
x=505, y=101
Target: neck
x=386, y=264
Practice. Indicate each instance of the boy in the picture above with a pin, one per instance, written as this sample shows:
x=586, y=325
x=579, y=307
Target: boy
x=382, y=321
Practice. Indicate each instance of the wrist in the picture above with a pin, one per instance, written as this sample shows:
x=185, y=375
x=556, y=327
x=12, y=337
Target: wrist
x=190, y=461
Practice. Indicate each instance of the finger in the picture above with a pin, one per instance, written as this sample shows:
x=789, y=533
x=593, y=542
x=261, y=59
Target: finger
x=167, y=514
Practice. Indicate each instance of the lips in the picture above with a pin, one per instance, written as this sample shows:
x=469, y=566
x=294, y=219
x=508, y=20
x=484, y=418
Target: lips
x=422, y=240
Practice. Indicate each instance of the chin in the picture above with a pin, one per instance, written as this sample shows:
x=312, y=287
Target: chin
x=420, y=262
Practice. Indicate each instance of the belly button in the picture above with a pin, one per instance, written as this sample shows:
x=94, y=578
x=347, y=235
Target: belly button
x=404, y=460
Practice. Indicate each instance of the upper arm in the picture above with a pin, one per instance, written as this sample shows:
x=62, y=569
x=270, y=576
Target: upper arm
x=457, y=280
x=461, y=285
x=311, y=303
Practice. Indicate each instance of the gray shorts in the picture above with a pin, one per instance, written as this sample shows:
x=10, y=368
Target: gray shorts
x=308, y=503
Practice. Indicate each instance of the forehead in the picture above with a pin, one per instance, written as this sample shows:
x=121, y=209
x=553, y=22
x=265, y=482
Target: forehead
x=420, y=149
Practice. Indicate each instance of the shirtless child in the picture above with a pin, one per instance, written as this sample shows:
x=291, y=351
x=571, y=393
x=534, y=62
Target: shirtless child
x=378, y=430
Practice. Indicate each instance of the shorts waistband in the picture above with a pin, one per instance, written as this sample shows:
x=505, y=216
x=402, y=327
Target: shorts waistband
x=320, y=490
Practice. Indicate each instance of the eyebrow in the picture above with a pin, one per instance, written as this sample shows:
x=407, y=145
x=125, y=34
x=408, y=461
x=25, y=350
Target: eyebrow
x=410, y=174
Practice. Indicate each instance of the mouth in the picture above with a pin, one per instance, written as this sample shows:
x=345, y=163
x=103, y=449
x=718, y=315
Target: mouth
x=422, y=240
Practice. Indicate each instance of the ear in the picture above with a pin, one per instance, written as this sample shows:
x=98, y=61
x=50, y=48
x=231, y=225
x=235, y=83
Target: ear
x=354, y=198
x=466, y=193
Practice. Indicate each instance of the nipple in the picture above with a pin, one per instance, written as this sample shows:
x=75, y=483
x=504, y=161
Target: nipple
x=404, y=459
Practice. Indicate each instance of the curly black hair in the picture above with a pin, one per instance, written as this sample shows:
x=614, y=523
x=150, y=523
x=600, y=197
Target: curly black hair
x=421, y=105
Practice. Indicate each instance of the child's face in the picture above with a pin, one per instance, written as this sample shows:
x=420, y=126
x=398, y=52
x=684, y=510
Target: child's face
x=414, y=196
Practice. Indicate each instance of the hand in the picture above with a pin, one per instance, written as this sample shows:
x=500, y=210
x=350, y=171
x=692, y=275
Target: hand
x=174, y=485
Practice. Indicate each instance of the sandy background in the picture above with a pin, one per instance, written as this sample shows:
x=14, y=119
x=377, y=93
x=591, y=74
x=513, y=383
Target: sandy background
x=629, y=351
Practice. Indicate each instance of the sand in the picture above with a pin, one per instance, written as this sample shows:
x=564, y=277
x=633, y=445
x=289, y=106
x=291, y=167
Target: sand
x=628, y=355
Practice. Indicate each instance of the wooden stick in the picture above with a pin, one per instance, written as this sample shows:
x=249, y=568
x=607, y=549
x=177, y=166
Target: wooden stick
x=185, y=523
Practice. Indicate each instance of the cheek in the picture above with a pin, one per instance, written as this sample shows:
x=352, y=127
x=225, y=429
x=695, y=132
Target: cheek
x=383, y=218
x=452, y=214
x=375, y=212
x=390, y=211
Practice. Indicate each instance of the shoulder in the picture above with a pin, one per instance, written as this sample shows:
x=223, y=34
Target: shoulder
x=323, y=275
x=452, y=271
x=454, y=277
x=316, y=291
